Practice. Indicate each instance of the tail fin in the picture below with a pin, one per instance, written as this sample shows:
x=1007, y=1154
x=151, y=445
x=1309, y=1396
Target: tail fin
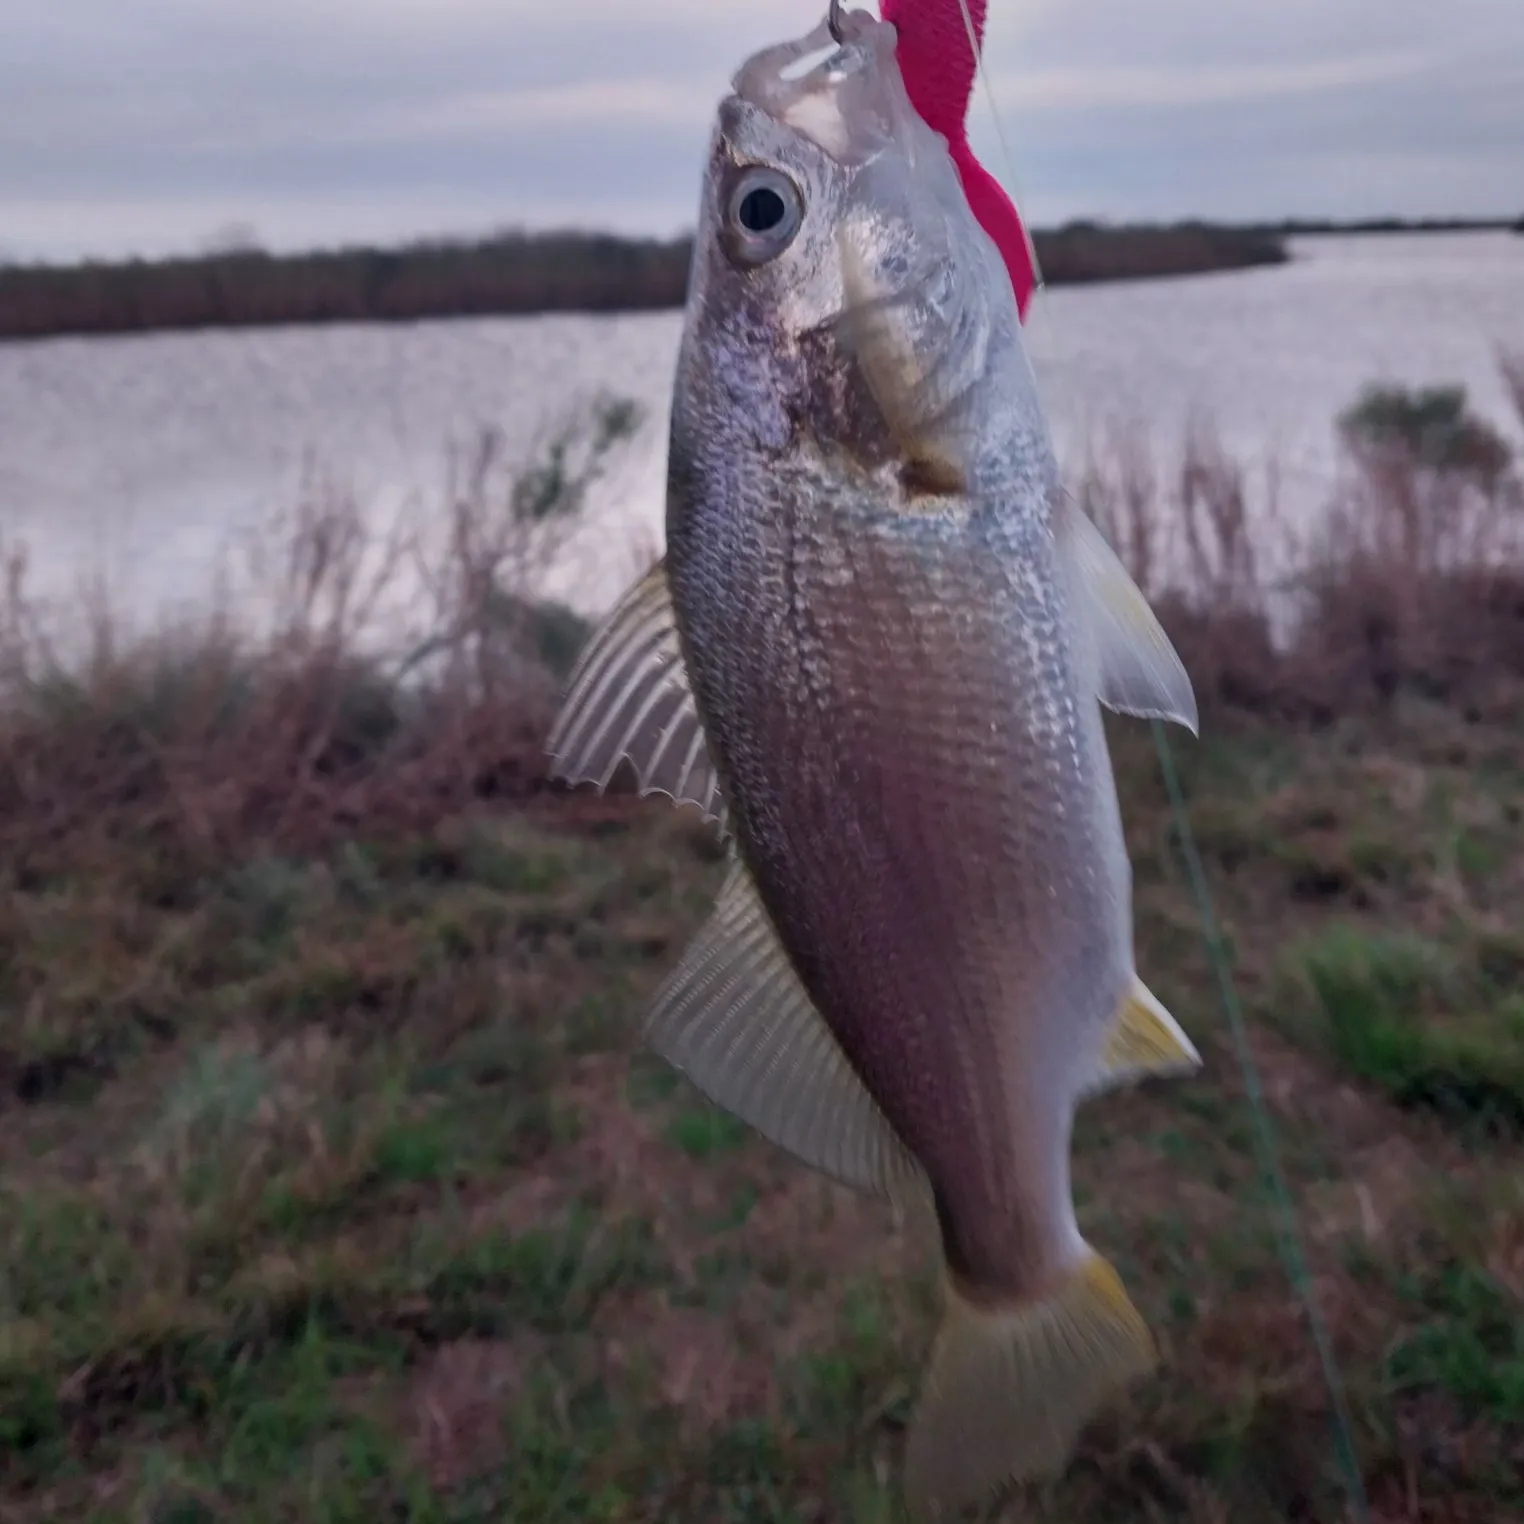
x=1008, y=1389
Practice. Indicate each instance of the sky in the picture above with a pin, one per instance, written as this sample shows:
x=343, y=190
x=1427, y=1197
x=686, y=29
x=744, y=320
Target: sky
x=153, y=126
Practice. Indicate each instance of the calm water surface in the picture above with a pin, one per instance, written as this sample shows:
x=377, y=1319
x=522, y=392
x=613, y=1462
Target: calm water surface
x=141, y=457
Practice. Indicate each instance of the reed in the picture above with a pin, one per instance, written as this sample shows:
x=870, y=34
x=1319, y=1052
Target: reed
x=1411, y=583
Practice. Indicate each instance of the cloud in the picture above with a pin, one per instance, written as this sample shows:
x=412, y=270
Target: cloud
x=1078, y=88
x=145, y=126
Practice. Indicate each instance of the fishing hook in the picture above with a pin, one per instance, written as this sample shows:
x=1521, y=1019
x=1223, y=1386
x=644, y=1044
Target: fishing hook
x=833, y=23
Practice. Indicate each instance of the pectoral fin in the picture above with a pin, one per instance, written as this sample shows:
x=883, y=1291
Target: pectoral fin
x=1143, y=1040
x=629, y=699
x=1140, y=671
x=738, y=1021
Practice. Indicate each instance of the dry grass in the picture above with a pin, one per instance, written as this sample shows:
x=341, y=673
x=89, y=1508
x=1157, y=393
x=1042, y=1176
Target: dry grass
x=1408, y=584
x=337, y=709
x=333, y=1185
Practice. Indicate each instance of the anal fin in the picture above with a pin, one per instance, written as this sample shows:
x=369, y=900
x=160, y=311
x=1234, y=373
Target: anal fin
x=737, y=1020
x=1144, y=1039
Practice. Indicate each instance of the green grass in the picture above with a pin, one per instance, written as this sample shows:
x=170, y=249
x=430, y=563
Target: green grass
x=334, y=1186
x=1423, y=1022
x=703, y=1132
x=1471, y=1344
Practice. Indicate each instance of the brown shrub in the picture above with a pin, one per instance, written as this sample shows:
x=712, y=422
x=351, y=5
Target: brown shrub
x=324, y=720
x=1413, y=581
x=324, y=723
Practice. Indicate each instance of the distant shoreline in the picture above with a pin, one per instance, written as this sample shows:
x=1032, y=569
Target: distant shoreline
x=515, y=274
x=1295, y=227
x=521, y=274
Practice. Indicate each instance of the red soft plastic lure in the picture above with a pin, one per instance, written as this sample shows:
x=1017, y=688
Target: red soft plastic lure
x=938, y=66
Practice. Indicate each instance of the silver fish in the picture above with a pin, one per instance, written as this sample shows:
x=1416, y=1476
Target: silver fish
x=875, y=655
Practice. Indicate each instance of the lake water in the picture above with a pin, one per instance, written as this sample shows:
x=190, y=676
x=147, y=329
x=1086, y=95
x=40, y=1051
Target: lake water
x=140, y=457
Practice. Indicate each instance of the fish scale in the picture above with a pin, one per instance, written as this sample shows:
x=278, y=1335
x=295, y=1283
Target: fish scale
x=842, y=730
x=875, y=654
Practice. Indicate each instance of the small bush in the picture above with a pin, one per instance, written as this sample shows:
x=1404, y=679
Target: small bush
x=211, y=737
x=1412, y=583
x=1430, y=428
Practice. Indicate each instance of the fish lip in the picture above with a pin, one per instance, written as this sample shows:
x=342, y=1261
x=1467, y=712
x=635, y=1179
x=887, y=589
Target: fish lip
x=867, y=46
x=760, y=78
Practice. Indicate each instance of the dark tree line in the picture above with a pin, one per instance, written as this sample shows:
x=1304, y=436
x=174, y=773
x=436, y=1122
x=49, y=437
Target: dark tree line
x=509, y=273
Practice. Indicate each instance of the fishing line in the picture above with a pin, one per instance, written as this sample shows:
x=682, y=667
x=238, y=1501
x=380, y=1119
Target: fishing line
x=1007, y=158
x=1292, y=1246
x=1293, y=1249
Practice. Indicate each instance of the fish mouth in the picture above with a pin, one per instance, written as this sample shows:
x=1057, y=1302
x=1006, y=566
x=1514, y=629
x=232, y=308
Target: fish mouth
x=838, y=94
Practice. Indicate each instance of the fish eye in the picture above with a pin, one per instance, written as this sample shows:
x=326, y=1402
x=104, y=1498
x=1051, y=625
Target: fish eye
x=764, y=214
